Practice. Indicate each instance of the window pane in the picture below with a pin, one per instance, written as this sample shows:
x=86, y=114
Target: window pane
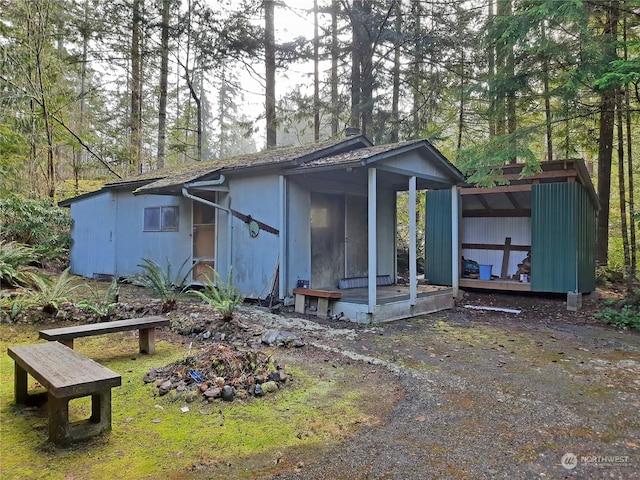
x=152, y=219
x=169, y=218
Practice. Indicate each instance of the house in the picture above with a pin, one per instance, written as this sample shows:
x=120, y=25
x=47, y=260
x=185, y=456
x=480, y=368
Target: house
x=321, y=216
x=536, y=234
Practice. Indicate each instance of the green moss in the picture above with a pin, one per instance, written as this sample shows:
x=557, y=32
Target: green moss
x=153, y=438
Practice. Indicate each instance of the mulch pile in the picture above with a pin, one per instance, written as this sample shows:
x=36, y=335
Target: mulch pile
x=220, y=371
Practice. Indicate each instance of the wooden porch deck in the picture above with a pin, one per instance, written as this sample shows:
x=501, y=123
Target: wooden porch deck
x=387, y=293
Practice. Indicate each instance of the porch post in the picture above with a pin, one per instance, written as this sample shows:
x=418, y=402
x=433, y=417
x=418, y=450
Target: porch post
x=455, y=240
x=413, y=256
x=372, y=238
x=282, y=242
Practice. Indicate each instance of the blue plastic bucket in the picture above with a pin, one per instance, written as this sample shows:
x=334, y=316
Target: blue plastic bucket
x=485, y=272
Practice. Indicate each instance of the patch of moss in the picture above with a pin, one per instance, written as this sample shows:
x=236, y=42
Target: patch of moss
x=153, y=438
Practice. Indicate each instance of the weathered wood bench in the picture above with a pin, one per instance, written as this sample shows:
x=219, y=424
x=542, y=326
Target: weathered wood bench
x=66, y=375
x=323, y=297
x=146, y=326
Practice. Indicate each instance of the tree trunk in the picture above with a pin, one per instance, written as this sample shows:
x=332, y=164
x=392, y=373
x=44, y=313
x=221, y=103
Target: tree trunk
x=135, y=164
x=270, y=68
x=395, y=102
x=492, y=74
x=632, y=222
x=605, y=146
x=316, y=74
x=461, y=108
x=622, y=194
x=335, y=107
x=356, y=60
x=164, y=72
x=511, y=89
x=418, y=62
x=547, y=96
x=196, y=98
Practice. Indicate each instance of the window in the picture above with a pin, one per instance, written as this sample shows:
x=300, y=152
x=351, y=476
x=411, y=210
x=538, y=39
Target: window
x=161, y=219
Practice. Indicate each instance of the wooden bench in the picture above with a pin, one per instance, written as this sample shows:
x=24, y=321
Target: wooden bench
x=66, y=375
x=323, y=297
x=146, y=325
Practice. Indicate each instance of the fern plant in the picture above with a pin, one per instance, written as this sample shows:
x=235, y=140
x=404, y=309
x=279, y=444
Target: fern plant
x=105, y=307
x=223, y=296
x=14, y=257
x=51, y=294
x=162, y=283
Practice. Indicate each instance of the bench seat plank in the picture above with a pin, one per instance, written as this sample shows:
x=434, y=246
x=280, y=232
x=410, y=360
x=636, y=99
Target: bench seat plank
x=76, y=331
x=310, y=292
x=323, y=297
x=146, y=326
x=62, y=371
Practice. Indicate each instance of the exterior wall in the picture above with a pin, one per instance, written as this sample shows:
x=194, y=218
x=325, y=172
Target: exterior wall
x=108, y=236
x=298, y=234
x=562, y=254
x=254, y=260
x=386, y=254
x=494, y=230
x=93, y=230
x=133, y=243
x=415, y=163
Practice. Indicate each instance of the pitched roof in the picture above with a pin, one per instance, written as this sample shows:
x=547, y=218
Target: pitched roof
x=289, y=157
x=336, y=151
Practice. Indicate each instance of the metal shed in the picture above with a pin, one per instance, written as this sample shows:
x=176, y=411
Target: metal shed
x=546, y=220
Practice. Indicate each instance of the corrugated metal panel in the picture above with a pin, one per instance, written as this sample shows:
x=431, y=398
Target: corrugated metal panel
x=438, y=256
x=494, y=230
x=563, y=237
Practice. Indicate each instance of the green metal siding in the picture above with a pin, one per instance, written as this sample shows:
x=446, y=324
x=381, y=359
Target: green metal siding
x=438, y=255
x=562, y=238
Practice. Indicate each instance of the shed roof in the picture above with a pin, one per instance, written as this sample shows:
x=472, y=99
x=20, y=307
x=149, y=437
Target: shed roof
x=515, y=199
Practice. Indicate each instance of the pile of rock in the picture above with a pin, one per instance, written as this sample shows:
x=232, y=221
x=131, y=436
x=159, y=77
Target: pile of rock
x=219, y=372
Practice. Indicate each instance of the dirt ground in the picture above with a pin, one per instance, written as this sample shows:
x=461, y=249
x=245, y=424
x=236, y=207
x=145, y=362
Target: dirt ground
x=544, y=393
x=464, y=393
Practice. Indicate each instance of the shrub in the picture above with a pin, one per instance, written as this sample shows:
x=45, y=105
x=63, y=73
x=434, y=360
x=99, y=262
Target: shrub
x=162, y=283
x=625, y=315
x=222, y=296
x=38, y=224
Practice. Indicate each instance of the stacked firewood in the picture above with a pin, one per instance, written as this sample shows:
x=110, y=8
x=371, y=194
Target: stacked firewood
x=524, y=268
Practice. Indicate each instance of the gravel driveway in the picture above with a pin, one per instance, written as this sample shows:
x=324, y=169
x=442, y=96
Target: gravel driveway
x=541, y=394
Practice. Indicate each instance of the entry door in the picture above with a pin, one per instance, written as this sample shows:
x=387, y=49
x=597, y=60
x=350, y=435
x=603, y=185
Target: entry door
x=204, y=240
x=327, y=240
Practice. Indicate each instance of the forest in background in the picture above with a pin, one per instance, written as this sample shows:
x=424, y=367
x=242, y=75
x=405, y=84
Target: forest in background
x=93, y=91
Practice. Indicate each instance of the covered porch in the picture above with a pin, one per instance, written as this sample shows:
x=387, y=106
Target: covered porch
x=343, y=223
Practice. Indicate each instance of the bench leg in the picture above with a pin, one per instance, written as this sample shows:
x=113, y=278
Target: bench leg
x=101, y=409
x=147, y=340
x=20, y=385
x=299, y=308
x=323, y=307
x=58, y=419
x=61, y=431
x=68, y=343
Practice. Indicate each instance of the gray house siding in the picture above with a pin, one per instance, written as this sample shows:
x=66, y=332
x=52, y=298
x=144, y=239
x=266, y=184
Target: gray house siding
x=94, y=235
x=254, y=259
